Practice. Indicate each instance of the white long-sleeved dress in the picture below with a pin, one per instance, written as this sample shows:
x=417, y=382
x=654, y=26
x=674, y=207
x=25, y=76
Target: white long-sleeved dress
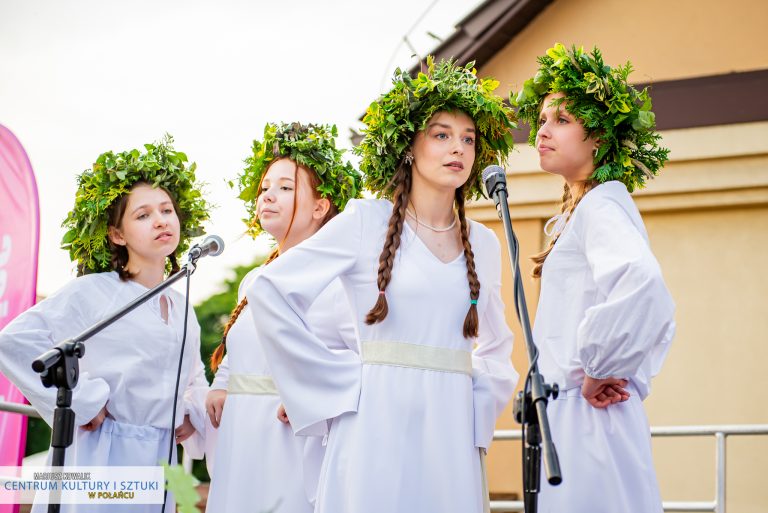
x=400, y=438
x=260, y=465
x=604, y=311
x=130, y=367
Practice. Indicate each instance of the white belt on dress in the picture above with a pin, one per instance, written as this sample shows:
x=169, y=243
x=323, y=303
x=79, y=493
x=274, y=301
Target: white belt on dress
x=251, y=384
x=401, y=354
x=571, y=392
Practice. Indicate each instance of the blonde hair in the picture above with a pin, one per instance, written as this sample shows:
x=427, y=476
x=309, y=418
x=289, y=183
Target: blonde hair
x=572, y=195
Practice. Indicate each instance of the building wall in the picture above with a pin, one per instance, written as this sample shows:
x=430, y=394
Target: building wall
x=664, y=40
x=707, y=218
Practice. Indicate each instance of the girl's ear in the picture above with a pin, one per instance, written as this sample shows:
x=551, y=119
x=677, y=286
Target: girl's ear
x=322, y=206
x=115, y=236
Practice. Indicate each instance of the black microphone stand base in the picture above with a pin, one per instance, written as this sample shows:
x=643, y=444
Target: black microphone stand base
x=59, y=367
x=63, y=374
x=526, y=414
x=530, y=408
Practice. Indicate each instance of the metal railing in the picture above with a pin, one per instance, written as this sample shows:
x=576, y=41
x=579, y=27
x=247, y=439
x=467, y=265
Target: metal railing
x=720, y=432
x=29, y=411
x=24, y=409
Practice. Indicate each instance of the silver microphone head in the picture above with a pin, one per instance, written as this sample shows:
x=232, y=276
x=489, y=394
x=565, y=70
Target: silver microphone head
x=492, y=170
x=216, y=243
x=494, y=179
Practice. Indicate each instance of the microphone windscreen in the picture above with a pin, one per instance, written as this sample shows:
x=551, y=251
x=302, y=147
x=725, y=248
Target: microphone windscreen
x=493, y=170
x=494, y=179
x=216, y=244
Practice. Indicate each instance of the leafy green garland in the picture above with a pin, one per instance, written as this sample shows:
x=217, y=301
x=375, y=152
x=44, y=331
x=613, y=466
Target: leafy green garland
x=112, y=176
x=394, y=119
x=615, y=113
x=311, y=146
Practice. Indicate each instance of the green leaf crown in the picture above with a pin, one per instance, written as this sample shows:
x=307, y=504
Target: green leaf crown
x=112, y=176
x=613, y=111
x=394, y=118
x=312, y=146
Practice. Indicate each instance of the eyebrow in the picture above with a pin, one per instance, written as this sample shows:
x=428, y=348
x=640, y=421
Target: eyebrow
x=283, y=178
x=149, y=206
x=443, y=125
x=559, y=110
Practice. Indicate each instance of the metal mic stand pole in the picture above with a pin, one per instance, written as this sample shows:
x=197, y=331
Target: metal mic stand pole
x=530, y=406
x=59, y=367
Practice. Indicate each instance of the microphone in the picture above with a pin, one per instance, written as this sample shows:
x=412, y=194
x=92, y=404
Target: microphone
x=495, y=179
x=213, y=245
x=533, y=401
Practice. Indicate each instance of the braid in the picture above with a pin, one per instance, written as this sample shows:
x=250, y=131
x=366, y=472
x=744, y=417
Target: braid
x=392, y=241
x=568, y=205
x=218, y=353
x=275, y=253
x=539, y=258
x=581, y=191
x=471, y=322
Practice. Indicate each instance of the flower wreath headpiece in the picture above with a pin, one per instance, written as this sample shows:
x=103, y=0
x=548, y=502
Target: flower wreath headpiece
x=395, y=117
x=311, y=146
x=613, y=111
x=112, y=176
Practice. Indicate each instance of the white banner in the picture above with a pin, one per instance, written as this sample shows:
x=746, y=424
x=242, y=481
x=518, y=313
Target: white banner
x=82, y=485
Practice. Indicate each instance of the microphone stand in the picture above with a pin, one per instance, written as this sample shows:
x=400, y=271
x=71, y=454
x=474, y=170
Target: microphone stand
x=59, y=367
x=530, y=406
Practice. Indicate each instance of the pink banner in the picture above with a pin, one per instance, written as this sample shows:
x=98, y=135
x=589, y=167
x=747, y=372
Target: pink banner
x=19, y=238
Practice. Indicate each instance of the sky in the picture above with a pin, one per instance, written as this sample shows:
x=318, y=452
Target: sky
x=80, y=77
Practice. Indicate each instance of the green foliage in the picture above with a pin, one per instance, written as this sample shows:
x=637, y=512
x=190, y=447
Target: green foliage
x=182, y=485
x=394, y=119
x=184, y=489
x=38, y=436
x=615, y=113
x=311, y=146
x=213, y=313
x=112, y=176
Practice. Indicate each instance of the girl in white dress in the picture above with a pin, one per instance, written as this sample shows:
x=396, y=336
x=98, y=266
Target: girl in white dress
x=294, y=182
x=408, y=412
x=605, y=317
x=134, y=213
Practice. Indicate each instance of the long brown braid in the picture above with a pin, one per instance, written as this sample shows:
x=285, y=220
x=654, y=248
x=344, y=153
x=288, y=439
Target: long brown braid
x=392, y=241
x=314, y=180
x=218, y=353
x=569, y=202
x=471, y=322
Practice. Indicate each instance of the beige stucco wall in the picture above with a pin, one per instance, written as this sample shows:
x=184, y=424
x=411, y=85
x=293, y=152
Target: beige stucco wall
x=664, y=39
x=707, y=218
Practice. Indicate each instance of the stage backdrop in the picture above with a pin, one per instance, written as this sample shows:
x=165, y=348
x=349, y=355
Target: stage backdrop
x=19, y=237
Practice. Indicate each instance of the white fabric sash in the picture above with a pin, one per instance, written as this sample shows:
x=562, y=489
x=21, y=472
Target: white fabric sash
x=416, y=356
x=401, y=354
x=250, y=384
